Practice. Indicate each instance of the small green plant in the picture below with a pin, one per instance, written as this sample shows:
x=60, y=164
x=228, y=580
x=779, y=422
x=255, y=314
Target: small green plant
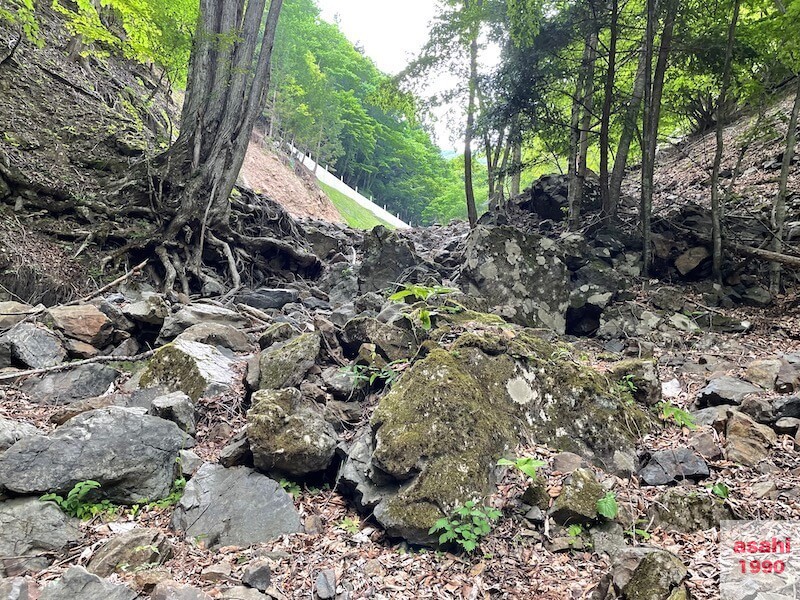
x=419, y=292
x=607, y=506
x=527, y=465
x=574, y=533
x=638, y=532
x=291, y=487
x=76, y=504
x=370, y=373
x=627, y=384
x=350, y=525
x=678, y=415
x=720, y=490
x=174, y=497
x=466, y=526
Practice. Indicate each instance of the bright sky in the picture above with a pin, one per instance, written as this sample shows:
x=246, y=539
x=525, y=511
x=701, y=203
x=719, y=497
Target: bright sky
x=391, y=31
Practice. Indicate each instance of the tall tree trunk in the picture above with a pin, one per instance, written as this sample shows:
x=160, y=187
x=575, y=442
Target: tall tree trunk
x=626, y=137
x=472, y=210
x=779, y=208
x=224, y=96
x=716, y=205
x=516, y=159
x=609, y=208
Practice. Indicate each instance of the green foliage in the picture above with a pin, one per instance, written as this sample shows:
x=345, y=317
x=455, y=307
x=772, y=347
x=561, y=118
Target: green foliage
x=627, y=384
x=77, y=505
x=419, y=292
x=291, y=487
x=387, y=374
x=678, y=415
x=721, y=490
x=350, y=525
x=175, y=495
x=574, y=532
x=607, y=506
x=526, y=464
x=466, y=526
x=21, y=14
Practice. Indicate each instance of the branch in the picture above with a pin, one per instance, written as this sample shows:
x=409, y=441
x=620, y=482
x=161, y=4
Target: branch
x=114, y=283
x=79, y=363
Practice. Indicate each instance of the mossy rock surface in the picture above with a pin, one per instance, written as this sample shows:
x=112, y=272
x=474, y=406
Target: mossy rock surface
x=659, y=576
x=286, y=365
x=689, y=511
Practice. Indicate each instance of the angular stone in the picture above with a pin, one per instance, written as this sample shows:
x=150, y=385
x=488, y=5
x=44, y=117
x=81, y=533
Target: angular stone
x=726, y=390
x=567, y=462
x=286, y=365
x=391, y=342
x=152, y=309
x=131, y=455
x=386, y=256
x=669, y=466
x=644, y=573
x=713, y=416
x=81, y=350
x=520, y=274
x=66, y=387
x=240, y=592
x=237, y=453
x=748, y=442
x=217, y=572
x=234, y=507
x=788, y=406
x=178, y=408
x=687, y=511
x=784, y=426
x=325, y=585
x=31, y=533
x=217, y=334
x=289, y=435
x=172, y=590
x=83, y=322
x=342, y=384
x=280, y=332
x=690, y=260
x=196, y=369
x=640, y=378
x=266, y=298
x=764, y=373
x=33, y=346
x=757, y=296
x=17, y=588
x=189, y=463
x=705, y=444
x=77, y=582
x=13, y=431
x=788, y=379
x=129, y=551
x=577, y=502
x=199, y=313
x=258, y=575
x=12, y=313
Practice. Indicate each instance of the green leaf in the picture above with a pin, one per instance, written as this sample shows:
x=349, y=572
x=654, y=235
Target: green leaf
x=721, y=490
x=607, y=506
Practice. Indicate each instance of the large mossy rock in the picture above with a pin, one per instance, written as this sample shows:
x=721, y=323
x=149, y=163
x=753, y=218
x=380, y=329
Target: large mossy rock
x=438, y=433
x=521, y=275
x=285, y=365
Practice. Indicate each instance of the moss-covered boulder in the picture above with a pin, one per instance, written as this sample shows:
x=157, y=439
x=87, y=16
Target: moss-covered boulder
x=689, y=511
x=438, y=433
x=288, y=435
x=521, y=274
x=577, y=502
x=645, y=573
x=196, y=369
x=393, y=343
x=639, y=378
x=286, y=365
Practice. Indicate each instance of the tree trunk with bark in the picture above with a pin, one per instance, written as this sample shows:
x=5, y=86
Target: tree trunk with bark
x=469, y=190
x=609, y=211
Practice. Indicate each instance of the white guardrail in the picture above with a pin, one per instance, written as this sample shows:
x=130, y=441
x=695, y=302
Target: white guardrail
x=328, y=178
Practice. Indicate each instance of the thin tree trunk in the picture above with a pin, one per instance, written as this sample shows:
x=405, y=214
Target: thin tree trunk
x=627, y=135
x=586, y=125
x=609, y=207
x=516, y=159
x=472, y=210
x=716, y=205
x=575, y=185
x=779, y=209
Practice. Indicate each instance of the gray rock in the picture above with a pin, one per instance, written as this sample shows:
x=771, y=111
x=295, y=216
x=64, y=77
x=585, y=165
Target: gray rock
x=757, y=296
x=325, y=585
x=393, y=343
x=217, y=334
x=387, y=255
x=234, y=507
x=520, y=274
x=342, y=384
x=179, y=322
x=747, y=442
x=688, y=511
x=608, y=538
x=12, y=313
x=31, y=533
x=13, y=431
x=34, y=346
x=784, y=426
x=258, y=575
x=66, y=387
x=237, y=453
x=713, y=416
x=77, y=582
x=198, y=370
x=178, y=408
x=279, y=332
x=788, y=406
x=640, y=378
x=129, y=551
x=131, y=455
x=289, y=435
x=189, y=463
x=266, y=298
x=240, y=592
x=669, y=466
x=726, y=390
x=689, y=261
x=172, y=590
x=152, y=309
x=644, y=573
x=577, y=502
x=286, y=365
x=17, y=588
x=764, y=373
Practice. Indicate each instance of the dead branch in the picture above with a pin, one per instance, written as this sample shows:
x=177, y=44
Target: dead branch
x=114, y=283
x=78, y=363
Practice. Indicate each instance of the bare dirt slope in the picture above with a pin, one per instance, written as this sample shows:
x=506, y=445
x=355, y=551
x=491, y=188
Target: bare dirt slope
x=268, y=173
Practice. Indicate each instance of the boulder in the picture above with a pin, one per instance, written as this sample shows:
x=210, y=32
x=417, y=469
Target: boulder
x=83, y=322
x=131, y=455
x=217, y=334
x=151, y=309
x=520, y=274
x=178, y=408
x=726, y=390
x=13, y=431
x=180, y=321
x=788, y=379
x=393, y=343
x=286, y=365
x=34, y=346
x=66, y=387
x=757, y=296
x=77, y=582
x=438, y=433
x=289, y=435
x=764, y=373
x=32, y=533
x=266, y=298
x=644, y=573
x=747, y=442
x=690, y=261
x=132, y=550
x=387, y=255
x=670, y=466
x=12, y=313
x=196, y=369
x=234, y=507
x=279, y=332
x=577, y=502
x=258, y=575
x=688, y=511
x=344, y=385
x=640, y=378
x=172, y=590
